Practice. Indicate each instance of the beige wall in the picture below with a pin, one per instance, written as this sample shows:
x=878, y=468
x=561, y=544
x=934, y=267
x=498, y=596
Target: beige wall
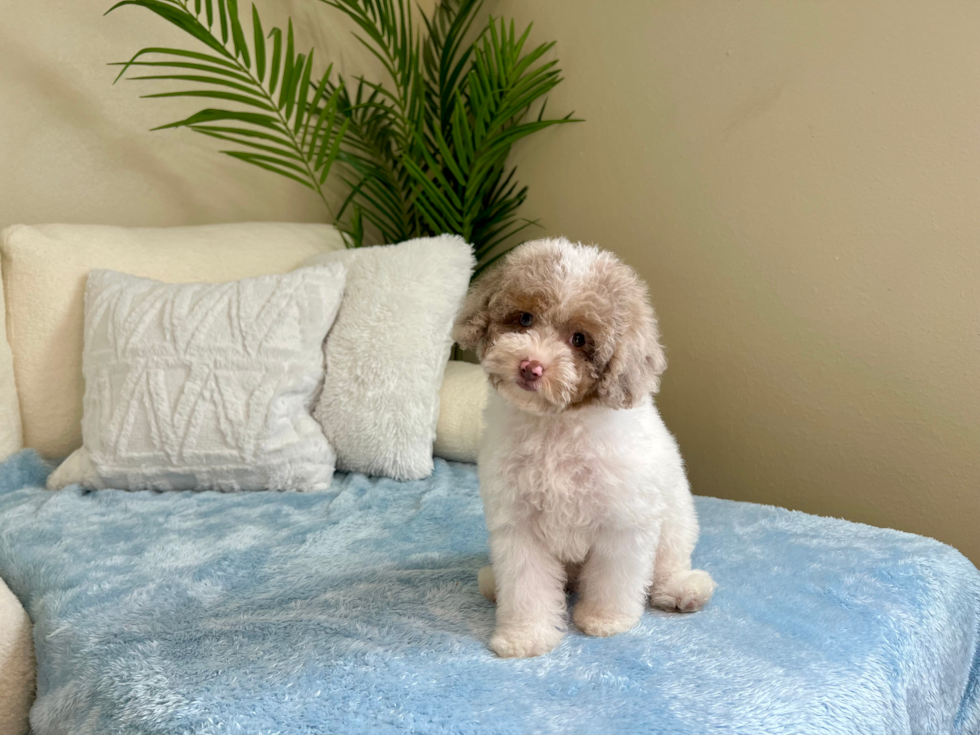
x=799, y=182
x=75, y=148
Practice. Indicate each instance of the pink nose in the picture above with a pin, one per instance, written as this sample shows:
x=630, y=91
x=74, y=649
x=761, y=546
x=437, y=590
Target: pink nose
x=531, y=369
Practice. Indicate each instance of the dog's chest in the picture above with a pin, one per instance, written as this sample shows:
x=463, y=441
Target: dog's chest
x=561, y=486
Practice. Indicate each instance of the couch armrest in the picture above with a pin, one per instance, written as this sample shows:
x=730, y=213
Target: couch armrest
x=17, y=668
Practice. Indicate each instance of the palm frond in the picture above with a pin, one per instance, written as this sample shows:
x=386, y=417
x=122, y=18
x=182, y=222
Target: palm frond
x=269, y=131
x=424, y=152
x=464, y=177
x=445, y=56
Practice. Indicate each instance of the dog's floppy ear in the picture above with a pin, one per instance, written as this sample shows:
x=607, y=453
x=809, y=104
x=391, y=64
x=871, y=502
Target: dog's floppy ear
x=638, y=359
x=473, y=319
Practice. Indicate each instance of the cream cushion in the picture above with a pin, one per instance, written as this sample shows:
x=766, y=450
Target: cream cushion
x=462, y=398
x=44, y=270
x=11, y=439
x=16, y=664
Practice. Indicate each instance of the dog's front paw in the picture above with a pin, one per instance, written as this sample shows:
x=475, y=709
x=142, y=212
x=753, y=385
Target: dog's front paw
x=524, y=642
x=601, y=623
x=684, y=591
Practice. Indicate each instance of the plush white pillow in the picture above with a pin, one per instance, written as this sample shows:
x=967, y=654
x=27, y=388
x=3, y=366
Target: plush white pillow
x=205, y=386
x=387, y=351
x=44, y=271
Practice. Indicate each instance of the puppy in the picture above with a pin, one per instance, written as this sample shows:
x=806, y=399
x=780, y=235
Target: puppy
x=580, y=479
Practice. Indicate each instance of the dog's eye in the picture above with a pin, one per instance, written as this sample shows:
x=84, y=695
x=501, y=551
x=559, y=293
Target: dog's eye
x=526, y=319
x=578, y=340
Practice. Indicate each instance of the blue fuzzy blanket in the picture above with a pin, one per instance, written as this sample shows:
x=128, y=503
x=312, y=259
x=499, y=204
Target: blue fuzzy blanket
x=357, y=611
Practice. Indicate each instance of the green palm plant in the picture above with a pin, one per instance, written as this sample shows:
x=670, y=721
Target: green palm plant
x=424, y=154
x=275, y=124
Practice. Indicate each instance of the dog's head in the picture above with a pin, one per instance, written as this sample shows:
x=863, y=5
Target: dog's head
x=559, y=325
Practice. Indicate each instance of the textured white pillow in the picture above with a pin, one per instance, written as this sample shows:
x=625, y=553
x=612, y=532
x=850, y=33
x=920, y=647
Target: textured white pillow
x=204, y=386
x=387, y=351
x=44, y=271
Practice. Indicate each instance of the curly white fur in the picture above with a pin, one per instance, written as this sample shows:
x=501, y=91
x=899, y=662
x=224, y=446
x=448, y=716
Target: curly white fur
x=581, y=481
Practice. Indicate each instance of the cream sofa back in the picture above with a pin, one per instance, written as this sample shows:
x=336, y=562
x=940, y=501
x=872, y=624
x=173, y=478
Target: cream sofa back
x=44, y=269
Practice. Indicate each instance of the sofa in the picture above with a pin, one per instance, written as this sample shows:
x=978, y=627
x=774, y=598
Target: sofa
x=356, y=608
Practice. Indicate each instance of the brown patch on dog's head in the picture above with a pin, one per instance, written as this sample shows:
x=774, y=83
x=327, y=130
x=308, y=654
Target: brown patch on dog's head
x=578, y=313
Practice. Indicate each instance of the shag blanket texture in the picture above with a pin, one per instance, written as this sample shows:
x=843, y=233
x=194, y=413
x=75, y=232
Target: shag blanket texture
x=356, y=610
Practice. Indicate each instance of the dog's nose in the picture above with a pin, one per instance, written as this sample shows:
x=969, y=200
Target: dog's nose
x=531, y=369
